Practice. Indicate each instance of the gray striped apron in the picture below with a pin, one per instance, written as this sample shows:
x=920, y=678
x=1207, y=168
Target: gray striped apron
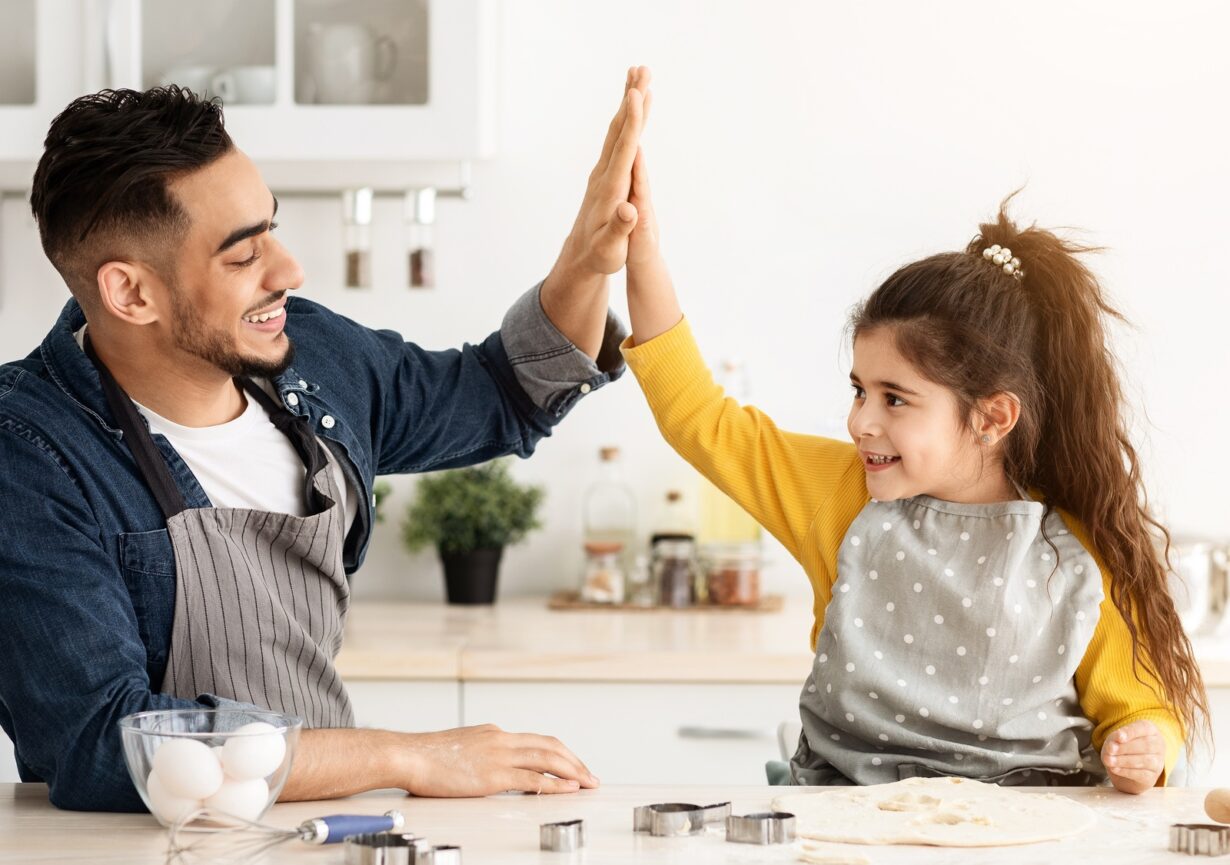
x=261, y=597
x=949, y=648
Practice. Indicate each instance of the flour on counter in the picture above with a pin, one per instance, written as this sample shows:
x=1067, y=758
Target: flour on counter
x=944, y=812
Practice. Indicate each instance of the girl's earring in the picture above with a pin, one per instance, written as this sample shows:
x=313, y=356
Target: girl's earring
x=986, y=440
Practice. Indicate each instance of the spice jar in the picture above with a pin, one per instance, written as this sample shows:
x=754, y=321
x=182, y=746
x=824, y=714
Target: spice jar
x=675, y=572
x=732, y=574
x=420, y=218
x=357, y=218
x=603, y=580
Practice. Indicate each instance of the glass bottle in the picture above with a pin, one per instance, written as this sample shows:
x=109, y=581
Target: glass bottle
x=610, y=507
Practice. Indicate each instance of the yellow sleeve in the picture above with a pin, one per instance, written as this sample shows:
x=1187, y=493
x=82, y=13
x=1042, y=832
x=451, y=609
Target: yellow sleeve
x=1110, y=693
x=782, y=479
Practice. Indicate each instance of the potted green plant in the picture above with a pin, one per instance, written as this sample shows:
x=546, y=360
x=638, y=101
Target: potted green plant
x=470, y=515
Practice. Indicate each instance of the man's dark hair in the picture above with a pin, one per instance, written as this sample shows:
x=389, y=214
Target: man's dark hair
x=100, y=189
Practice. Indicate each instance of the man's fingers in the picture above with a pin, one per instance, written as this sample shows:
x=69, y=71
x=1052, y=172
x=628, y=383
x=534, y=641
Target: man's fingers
x=556, y=764
x=549, y=745
x=620, y=165
x=535, y=782
x=617, y=123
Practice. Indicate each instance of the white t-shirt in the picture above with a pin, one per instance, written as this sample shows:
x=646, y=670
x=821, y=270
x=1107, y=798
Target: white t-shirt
x=246, y=462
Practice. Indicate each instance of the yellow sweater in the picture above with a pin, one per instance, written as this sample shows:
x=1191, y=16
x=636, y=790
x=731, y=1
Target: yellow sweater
x=807, y=490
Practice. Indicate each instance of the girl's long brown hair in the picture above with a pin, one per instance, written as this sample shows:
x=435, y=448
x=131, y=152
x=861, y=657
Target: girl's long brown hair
x=978, y=331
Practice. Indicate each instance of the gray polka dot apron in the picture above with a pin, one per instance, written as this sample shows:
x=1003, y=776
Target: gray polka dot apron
x=949, y=648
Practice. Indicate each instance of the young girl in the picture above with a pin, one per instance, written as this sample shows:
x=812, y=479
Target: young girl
x=989, y=598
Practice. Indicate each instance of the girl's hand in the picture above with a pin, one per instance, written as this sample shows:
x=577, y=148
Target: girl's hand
x=643, y=244
x=1134, y=755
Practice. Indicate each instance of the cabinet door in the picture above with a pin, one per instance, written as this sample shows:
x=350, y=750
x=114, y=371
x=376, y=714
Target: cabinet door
x=646, y=733
x=306, y=81
x=40, y=72
x=8, y=765
x=406, y=706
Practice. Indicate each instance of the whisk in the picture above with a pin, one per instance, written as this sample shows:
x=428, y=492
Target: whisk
x=242, y=840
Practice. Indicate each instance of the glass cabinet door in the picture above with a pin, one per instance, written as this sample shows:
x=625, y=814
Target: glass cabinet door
x=223, y=48
x=361, y=52
x=17, y=52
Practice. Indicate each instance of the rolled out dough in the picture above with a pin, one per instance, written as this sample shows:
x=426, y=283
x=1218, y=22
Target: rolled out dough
x=944, y=812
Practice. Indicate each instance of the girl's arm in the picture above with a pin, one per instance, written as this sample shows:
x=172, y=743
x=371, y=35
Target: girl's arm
x=1139, y=734
x=782, y=479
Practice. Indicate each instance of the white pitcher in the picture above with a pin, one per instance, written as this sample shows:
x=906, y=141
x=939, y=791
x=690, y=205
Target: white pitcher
x=347, y=61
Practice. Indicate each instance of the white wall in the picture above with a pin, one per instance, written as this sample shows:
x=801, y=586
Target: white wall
x=801, y=151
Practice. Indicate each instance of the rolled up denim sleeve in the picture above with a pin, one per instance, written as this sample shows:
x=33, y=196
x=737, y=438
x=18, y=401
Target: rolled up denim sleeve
x=549, y=368
x=73, y=660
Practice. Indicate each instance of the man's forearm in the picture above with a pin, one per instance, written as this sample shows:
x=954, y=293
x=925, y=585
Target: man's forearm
x=330, y=764
x=577, y=305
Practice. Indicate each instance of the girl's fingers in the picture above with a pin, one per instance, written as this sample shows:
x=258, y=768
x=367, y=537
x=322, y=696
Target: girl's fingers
x=1139, y=746
x=1120, y=764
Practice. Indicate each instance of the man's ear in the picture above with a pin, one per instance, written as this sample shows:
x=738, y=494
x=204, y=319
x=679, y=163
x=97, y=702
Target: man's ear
x=125, y=290
x=997, y=415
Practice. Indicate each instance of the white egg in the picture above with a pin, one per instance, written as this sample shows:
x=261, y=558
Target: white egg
x=188, y=768
x=244, y=799
x=253, y=755
x=166, y=806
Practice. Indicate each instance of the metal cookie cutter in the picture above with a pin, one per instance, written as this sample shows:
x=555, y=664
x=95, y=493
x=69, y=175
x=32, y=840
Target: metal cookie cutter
x=1200, y=839
x=386, y=848
x=770, y=827
x=562, y=837
x=670, y=819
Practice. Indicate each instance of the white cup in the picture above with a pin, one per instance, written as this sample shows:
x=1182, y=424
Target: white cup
x=245, y=85
x=347, y=61
x=195, y=78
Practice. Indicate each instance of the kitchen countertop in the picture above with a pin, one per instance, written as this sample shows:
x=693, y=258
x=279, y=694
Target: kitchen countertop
x=504, y=829
x=521, y=640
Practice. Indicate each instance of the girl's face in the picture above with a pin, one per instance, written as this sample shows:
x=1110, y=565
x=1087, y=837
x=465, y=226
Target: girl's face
x=909, y=435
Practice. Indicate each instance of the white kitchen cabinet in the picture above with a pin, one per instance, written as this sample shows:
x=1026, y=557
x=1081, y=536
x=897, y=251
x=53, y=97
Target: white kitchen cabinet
x=661, y=733
x=405, y=705
x=317, y=80
x=8, y=765
x=40, y=70
x=306, y=81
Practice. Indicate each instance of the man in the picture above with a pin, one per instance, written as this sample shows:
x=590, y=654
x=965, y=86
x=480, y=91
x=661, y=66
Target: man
x=186, y=461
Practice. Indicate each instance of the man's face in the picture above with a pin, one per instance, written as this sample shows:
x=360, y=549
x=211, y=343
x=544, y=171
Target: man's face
x=231, y=272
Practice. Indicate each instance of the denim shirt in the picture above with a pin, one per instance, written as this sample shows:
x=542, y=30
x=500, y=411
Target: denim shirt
x=87, y=572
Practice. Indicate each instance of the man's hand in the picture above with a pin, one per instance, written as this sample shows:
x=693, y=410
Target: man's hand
x=480, y=761
x=574, y=293
x=1134, y=755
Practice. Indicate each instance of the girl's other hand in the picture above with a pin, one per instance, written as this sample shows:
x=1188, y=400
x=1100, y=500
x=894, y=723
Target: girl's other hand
x=1134, y=755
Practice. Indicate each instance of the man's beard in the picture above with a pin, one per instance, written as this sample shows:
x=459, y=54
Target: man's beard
x=217, y=346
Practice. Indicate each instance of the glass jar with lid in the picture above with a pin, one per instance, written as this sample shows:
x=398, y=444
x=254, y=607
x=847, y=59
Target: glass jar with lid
x=603, y=579
x=675, y=572
x=732, y=574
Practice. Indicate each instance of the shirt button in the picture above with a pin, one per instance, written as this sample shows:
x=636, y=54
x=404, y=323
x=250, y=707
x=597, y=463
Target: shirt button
x=302, y=383
x=585, y=388
x=327, y=421
x=292, y=399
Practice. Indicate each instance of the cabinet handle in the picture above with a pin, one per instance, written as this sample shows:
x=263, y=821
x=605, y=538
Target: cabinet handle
x=745, y=733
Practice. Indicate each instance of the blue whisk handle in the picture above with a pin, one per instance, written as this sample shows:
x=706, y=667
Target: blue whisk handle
x=334, y=828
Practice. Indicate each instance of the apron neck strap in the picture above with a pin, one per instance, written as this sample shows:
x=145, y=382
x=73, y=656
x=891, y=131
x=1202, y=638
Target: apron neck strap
x=295, y=428
x=149, y=459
